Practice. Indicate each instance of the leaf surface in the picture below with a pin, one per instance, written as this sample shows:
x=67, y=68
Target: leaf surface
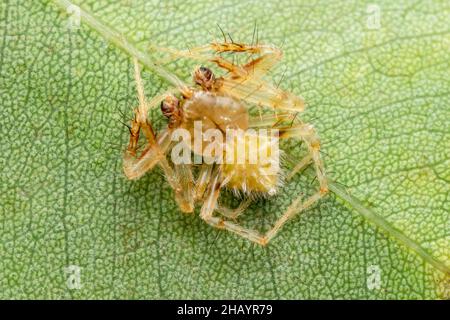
x=379, y=98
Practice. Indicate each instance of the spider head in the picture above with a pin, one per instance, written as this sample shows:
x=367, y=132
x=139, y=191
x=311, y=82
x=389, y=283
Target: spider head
x=169, y=108
x=204, y=77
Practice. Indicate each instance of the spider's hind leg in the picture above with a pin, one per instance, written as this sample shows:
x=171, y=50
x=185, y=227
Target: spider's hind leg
x=184, y=194
x=305, y=132
x=210, y=205
x=268, y=56
x=236, y=212
x=244, y=82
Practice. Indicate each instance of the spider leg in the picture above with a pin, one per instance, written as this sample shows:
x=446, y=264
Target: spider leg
x=136, y=166
x=265, y=121
x=257, y=91
x=251, y=71
x=245, y=82
x=256, y=68
x=198, y=54
x=236, y=212
x=269, y=56
x=203, y=180
x=295, y=208
x=306, y=161
x=200, y=188
x=302, y=131
x=210, y=205
x=272, y=121
x=306, y=133
x=184, y=195
x=155, y=151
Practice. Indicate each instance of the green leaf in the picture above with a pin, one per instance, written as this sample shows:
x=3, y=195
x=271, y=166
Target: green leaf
x=378, y=93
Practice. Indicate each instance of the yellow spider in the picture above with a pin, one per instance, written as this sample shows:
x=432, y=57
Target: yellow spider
x=222, y=103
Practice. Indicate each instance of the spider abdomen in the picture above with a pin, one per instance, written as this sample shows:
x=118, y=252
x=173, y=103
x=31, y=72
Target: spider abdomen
x=251, y=164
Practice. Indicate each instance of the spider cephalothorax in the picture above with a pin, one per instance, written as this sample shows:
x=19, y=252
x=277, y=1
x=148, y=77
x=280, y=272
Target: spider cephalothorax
x=219, y=105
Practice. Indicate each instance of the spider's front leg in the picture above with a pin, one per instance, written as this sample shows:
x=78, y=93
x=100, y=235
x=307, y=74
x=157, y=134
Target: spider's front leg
x=269, y=55
x=154, y=153
x=233, y=214
x=135, y=166
x=244, y=82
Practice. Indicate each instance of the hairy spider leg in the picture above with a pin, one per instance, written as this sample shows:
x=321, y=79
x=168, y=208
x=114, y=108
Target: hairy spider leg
x=274, y=122
x=245, y=82
x=134, y=167
x=203, y=180
x=210, y=204
x=236, y=212
x=308, y=135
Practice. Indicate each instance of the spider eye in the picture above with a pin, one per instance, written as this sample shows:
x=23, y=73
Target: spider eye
x=169, y=106
x=166, y=108
x=204, y=76
x=206, y=72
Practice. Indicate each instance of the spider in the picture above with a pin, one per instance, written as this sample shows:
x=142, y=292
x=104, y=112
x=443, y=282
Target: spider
x=222, y=103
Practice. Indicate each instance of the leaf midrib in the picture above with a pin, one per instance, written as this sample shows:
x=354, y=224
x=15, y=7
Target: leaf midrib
x=118, y=40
